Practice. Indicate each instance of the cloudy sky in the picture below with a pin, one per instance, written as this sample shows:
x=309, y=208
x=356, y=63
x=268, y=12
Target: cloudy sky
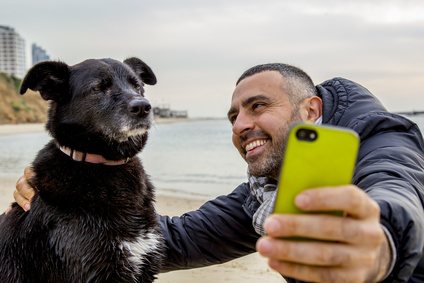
x=198, y=49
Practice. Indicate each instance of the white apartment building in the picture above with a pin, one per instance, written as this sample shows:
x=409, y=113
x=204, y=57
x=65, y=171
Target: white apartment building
x=12, y=52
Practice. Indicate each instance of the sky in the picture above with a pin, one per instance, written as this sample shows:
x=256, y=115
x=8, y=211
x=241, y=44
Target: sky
x=198, y=49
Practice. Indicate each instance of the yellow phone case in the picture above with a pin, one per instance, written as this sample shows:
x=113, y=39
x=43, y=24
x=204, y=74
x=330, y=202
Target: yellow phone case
x=315, y=156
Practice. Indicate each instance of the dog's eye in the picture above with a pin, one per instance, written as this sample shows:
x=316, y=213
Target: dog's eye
x=97, y=89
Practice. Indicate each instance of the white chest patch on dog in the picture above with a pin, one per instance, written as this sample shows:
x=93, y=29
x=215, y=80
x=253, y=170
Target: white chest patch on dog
x=140, y=247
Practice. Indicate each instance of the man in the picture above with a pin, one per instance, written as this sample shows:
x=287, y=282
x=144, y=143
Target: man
x=380, y=237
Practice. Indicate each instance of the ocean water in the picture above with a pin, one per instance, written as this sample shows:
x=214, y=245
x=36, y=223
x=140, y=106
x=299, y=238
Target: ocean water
x=196, y=158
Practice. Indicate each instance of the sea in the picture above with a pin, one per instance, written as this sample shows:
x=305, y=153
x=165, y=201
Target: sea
x=195, y=158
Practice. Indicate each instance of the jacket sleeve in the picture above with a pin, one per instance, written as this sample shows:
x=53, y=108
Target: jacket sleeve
x=390, y=169
x=219, y=231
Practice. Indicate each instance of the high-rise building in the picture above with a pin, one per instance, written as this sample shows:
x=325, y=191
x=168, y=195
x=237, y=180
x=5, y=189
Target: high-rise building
x=38, y=54
x=12, y=52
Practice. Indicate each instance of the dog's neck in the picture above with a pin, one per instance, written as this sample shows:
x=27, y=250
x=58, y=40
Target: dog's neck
x=90, y=157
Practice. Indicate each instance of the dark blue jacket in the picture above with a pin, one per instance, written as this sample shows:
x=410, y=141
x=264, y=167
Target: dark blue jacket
x=390, y=168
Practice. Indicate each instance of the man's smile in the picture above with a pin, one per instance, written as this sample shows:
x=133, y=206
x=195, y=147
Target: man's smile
x=256, y=144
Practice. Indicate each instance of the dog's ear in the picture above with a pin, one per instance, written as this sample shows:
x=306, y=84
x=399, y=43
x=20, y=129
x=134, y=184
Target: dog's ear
x=50, y=78
x=142, y=70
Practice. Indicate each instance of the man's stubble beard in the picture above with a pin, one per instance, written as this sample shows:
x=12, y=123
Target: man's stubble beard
x=270, y=165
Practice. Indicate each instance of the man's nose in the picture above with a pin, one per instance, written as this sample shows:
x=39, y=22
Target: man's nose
x=242, y=124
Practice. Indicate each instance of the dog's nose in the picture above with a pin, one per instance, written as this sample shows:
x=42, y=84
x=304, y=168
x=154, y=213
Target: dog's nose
x=140, y=108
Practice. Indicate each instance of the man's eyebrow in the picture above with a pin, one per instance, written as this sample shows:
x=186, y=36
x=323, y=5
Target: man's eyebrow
x=259, y=97
x=247, y=102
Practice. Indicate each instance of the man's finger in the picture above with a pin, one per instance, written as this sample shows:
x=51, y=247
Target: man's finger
x=24, y=189
x=28, y=172
x=323, y=227
x=22, y=201
x=316, y=273
x=349, y=199
x=314, y=253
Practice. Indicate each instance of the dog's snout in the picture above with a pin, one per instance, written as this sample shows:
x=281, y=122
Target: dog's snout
x=140, y=108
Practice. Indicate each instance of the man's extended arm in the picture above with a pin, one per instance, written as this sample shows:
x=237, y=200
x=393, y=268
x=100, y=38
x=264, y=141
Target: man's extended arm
x=219, y=231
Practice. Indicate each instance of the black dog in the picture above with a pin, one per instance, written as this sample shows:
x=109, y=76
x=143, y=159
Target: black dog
x=92, y=218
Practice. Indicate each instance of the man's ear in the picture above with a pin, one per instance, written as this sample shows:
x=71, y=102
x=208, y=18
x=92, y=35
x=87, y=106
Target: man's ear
x=311, y=109
x=50, y=78
x=142, y=70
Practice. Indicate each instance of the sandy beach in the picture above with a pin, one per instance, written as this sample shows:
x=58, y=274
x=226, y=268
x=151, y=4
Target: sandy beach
x=252, y=268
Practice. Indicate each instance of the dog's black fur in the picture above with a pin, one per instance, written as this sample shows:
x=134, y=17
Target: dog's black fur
x=88, y=222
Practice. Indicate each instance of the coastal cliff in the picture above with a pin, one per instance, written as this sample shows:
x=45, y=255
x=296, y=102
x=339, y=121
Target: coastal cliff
x=16, y=108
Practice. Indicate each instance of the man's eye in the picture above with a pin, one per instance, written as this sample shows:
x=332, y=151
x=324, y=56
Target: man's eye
x=257, y=105
x=232, y=119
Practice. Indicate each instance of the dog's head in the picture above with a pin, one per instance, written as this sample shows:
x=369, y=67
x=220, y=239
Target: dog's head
x=98, y=106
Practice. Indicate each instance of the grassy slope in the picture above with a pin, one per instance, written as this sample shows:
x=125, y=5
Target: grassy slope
x=16, y=108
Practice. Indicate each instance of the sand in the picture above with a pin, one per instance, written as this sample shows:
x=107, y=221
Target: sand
x=251, y=268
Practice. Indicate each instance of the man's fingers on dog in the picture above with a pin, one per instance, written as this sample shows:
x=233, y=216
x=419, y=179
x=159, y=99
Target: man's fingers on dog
x=24, y=189
x=21, y=201
x=28, y=172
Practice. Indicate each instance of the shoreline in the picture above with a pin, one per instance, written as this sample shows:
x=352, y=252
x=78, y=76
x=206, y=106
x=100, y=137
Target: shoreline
x=24, y=128
x=12, y=129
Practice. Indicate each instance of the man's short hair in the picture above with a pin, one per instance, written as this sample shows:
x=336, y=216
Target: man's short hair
x=297, y=84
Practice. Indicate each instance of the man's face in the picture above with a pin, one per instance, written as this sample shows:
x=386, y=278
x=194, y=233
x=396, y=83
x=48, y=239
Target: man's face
x=261, y=115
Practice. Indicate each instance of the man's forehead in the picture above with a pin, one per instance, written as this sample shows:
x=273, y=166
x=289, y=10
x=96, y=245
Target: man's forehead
x=263, y=83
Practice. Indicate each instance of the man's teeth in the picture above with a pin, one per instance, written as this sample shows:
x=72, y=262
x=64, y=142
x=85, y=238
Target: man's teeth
x=254, y=144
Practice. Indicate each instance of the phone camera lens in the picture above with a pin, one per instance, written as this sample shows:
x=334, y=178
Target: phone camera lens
x=306, y=135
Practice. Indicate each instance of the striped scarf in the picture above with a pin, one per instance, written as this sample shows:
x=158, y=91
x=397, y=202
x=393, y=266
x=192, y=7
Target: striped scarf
x=264, y=189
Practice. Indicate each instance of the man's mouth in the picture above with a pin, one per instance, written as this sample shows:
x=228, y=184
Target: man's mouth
x=254, y=144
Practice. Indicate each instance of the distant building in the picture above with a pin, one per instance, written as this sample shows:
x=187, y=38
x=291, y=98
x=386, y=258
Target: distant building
x=165, y=111
x=38, y=54
x=12, y=52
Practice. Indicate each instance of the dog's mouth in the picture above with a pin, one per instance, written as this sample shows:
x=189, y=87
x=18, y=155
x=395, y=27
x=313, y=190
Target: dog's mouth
x=121, y=128
x=131, y=130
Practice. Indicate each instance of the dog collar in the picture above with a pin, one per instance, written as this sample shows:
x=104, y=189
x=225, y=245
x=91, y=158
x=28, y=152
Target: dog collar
x=90, y=157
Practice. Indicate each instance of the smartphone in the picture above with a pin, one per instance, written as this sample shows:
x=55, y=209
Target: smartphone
x=315, y=156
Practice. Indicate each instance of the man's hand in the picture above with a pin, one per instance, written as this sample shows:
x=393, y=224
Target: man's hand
x=355, y=247
x=24, y=192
